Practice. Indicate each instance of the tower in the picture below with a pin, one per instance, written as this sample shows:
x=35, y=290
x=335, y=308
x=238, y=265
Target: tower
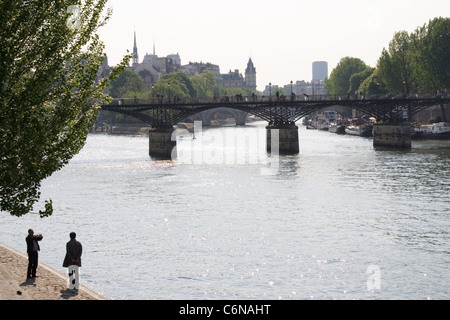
x=135, y=51
x=250, y=75
x=319, y=70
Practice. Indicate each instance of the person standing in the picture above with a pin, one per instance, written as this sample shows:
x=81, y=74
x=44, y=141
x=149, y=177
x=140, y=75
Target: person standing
x=72, y=261
x=32, y=250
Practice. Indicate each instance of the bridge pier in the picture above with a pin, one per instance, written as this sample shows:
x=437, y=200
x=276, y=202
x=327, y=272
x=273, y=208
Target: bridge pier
x=160, y=143
x=288, y=142
x=392, y=135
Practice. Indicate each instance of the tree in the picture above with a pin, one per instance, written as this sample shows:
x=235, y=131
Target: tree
x=169, y=88
x=396, y=64
x=50, y=56
x=339, y=81
x=357, y=79
x=128, y=83
x=245, y=92
x=182, y=78
x=372, y=85
x=205, y=84
x=432, y=54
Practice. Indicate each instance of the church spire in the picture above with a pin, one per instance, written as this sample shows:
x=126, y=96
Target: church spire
x=250, y=66
x=250, y=75
x=135, y=51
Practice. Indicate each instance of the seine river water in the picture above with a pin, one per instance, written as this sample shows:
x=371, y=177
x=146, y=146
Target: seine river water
x=341, y=220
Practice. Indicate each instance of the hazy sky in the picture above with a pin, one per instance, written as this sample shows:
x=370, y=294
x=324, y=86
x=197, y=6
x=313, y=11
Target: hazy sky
x=282, y=37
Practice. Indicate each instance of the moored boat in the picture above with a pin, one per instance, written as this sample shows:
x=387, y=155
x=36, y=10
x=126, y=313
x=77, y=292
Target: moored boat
x=436, y=131
x=336, y=128
x=322, y=126
x=362, y=130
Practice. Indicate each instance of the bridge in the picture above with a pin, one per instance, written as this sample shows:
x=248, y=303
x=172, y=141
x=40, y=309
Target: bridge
x=391, y=112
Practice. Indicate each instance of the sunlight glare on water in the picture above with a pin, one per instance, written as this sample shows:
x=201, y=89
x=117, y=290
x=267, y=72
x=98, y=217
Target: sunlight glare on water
x=317, y=229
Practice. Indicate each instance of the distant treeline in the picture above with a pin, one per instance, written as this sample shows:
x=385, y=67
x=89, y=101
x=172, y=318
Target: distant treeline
x=177, y=85
x=413, y=63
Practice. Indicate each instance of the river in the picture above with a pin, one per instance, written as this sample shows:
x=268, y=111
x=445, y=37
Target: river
x=341, y=220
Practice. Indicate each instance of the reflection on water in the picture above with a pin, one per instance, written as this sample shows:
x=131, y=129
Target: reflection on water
x=221, y=230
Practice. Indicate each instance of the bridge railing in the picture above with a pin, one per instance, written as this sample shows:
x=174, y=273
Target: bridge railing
x=274, y=98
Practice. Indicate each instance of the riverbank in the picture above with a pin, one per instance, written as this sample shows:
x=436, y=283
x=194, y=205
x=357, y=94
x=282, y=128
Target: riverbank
x=49, y=284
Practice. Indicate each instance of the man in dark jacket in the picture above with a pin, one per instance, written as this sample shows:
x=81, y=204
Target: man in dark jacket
x=72, y=260
x=32, y=250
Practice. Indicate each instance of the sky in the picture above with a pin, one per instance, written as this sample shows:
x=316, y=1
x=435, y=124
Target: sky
x=283, y=38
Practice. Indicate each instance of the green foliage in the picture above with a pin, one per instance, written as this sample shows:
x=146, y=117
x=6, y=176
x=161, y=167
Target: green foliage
x=357, y=79
x=416, y=62
x=183, y=78
x=181, y=85
x=419, y=61
x=173, y=87
x=372, y=85
x=232, y=92
x=205, y=84
x=339, y=81
x=431, y=45
x=128, y=82
x=396, y=64
x=49, y=94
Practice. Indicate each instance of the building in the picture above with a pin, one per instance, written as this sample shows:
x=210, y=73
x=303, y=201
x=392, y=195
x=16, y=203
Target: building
x=318, y=88
x=300, y=88
x=149, y=57
x=234, y=79
x=153, y=68
x=303, y=88
x=270, y=90
x=135, y=51
x=319, y=75
x=250, y=75
x=319, y=70
x=196, y=68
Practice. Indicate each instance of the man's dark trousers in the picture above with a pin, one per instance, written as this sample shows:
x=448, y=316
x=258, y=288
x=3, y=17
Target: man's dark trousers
x=32, y=264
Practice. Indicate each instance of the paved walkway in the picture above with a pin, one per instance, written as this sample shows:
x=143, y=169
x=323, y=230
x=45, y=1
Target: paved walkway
x=49, y=284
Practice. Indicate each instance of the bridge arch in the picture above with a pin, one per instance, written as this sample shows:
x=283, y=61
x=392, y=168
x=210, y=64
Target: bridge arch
x=158, y=114
x=391, y=114
x=208, y=115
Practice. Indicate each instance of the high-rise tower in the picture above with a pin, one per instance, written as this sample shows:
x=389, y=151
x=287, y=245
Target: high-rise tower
x=135, y=51
x=250, y=75
x=319, y=70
